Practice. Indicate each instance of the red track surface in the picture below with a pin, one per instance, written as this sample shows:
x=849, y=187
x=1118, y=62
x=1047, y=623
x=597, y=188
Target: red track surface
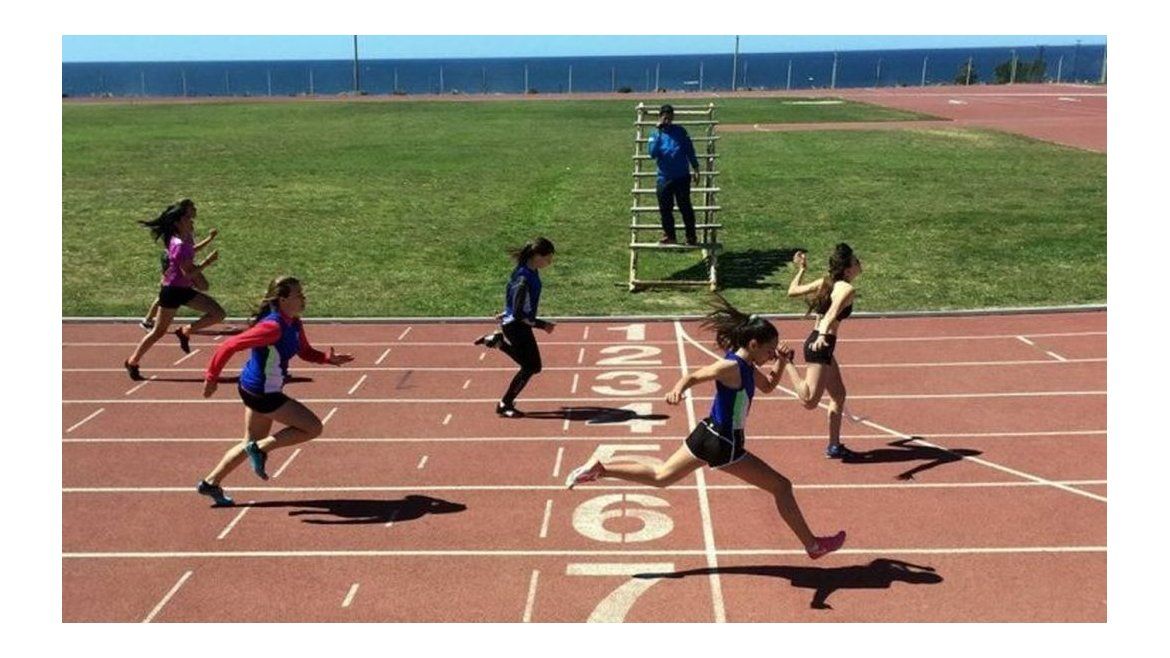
x=419, y=504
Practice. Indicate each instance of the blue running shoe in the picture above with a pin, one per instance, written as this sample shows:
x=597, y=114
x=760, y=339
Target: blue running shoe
x=215, y=492
x=258, y=458
x=838, y=451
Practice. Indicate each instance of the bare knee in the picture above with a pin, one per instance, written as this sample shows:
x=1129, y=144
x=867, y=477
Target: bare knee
x=664, y=479
x=782, y=487
x=313, y=429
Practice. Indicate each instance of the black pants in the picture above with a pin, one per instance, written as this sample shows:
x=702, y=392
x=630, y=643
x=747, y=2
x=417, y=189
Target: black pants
x=670, y=191
x=520, y=344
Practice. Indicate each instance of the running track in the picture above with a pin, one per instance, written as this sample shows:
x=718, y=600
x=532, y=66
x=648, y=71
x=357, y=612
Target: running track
x=419, y=504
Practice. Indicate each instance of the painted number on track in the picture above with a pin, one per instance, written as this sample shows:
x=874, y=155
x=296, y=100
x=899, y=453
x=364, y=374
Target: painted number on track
x=642, y=355
x=590, y=517
x=633, y=382
x=617, y=605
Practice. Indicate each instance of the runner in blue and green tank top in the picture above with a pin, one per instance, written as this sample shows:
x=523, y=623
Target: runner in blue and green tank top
x=718, y=440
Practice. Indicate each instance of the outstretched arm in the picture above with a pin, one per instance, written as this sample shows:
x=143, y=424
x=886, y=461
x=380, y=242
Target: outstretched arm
x=725, y=371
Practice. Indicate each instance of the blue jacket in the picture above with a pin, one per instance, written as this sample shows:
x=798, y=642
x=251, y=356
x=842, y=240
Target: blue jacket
x=671, y=147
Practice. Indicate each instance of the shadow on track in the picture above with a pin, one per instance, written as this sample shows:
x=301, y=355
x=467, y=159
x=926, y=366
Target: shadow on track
x=903, y=452
x=878, y=574
x=594, y=415
x=350, y=511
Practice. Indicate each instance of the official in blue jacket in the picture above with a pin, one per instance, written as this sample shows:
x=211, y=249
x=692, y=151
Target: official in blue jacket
x=672, y=150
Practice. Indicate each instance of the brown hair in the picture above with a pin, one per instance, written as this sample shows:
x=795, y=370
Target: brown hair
x=281, y=286
x=840, y=260
x=734, y=328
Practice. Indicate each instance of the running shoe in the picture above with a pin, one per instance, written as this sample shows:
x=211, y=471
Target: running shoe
x=146, y=324
x=133, y=371
x=826, y=545
x=489, y=340
x=587, y=473
x=838, y=451
x=258, y=458
x=184, y=341
x=508, y=411
x=215, y=492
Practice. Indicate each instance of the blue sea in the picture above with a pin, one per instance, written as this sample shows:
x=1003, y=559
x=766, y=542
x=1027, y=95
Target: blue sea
x=553, y=75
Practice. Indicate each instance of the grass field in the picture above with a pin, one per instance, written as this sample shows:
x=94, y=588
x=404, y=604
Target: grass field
x=406, y=208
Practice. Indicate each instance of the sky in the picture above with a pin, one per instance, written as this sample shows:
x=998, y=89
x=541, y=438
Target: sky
x=139, y=48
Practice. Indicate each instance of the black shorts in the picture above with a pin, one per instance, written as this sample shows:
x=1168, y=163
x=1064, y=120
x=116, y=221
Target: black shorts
x=264, y=403
x=823, y=355
x=707, y=444
x=175, y=296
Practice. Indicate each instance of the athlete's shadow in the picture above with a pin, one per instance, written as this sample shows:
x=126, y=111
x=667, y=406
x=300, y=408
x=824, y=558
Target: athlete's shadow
x=350, y=512
x=878, y=574
x=594, y=415
x=907, y=453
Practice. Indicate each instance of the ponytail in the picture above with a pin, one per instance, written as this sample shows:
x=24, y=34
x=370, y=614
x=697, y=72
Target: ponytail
x=734, y=328
x=536, y=247
x=164, y=226
x=840, y=260
x=281, y=286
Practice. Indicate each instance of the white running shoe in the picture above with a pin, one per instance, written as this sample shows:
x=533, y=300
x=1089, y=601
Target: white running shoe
x=587, y=473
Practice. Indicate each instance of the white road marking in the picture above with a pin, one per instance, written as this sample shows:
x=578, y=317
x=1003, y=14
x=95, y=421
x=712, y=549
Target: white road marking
x=225, y=531
x=286, y=463
x=158, y=608
x=150, y=379
x=1025, y=341
x=557, y=466
x=383, y=357
x=404, y=333
x=1056, y=356
x=447, y=420
x=349, y=595
x=360, y=381
x=329, y=415
x=573, y=390
x=85, y=420
x=547, y=516
x=422, y=462
x=188, y=356
x=466, y=384
x=531, y=602
x=581, y=356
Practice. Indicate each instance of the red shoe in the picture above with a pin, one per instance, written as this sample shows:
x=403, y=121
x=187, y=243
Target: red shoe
x=826, y=545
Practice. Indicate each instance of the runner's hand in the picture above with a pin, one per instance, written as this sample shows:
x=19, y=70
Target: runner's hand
x=673, y=397
x=819, y=344
x=209, y=387
x=338, y=359
x=800, y=259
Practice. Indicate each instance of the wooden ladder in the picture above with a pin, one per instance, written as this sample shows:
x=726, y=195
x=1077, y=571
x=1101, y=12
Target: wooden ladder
x=644, y=216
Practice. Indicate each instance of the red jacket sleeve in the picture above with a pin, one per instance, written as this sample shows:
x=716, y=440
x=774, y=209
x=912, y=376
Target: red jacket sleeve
x=306, y=351
x=260, y=334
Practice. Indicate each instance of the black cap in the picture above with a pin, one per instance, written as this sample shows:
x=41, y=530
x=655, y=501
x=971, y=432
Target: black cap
x=666, y=109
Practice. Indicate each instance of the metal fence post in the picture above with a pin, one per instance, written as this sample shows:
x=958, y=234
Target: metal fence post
x=924, y=61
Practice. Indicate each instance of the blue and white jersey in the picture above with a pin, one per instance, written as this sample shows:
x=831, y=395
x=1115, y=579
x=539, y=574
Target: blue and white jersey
x=522, y=296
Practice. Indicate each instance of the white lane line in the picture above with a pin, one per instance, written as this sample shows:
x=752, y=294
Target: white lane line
x=884, y=339
x=447, y=420
x=982, y=550
x=595, y=439
x=565, y=425
x=1056, y=356
x=150, y=379
x=576, y=378
x=422, y=462
x=547, y=516
x=404, y=333
x=393, y=517
x=466, y=384
x=581, y=356
x=585, y=336
x=158, y=608
x=560, y=459
x=976, y=460
x=830, y=486
x=286, y=463
x=329, y=415
x=704, y=503
x=85, y=420
x=225, y=531
x=1025, y=341
x=632, y=398
x=349, y=595
x=531, y=602
x=185, y=357
x=852, y=486
x=482, y=355
x=383, y=357
x=360, y=381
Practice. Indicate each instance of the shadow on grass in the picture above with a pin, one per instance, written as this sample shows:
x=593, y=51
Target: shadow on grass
x=903, y=452
x=878, y=574
x=743, y=269
x=346, y=511
x=594, y=415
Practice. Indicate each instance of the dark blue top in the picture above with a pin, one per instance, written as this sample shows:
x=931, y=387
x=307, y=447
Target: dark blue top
x=671, y=148
x=522, y=296
x=729, y=409
x=267, y=368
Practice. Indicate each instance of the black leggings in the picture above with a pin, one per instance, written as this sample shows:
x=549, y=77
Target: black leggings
x=520, y=344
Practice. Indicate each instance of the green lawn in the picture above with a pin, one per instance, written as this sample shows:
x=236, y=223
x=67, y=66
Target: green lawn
x=406, y=208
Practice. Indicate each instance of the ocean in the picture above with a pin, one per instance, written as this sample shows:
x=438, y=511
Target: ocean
x=554, y=75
